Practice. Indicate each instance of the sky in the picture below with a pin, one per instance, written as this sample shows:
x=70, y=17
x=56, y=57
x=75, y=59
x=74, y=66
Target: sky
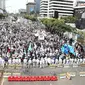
x=12, y=6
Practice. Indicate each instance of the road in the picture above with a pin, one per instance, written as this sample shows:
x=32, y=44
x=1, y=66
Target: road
x=77, y=80
x=74, y=81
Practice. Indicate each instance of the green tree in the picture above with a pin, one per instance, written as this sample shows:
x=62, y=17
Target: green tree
x=69, y=19
x=30, y=17
x=56, y=26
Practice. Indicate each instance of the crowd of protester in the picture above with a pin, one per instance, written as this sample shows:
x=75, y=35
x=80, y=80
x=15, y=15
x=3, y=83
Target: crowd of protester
x=26, y=41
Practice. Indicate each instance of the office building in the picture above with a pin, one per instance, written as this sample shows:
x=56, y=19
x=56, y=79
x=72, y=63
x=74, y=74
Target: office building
x=57, y=8
x=44, y=8
x=37, y=6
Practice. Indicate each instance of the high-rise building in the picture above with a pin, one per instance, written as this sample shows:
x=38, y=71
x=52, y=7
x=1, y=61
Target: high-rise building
x=44, y=8
x=37, y=6
x=30, y=6
x=2, y=5
x=57, y=8
x=33, y=5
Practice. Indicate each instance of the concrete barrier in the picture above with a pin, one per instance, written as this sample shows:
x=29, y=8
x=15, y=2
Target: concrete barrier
x=62, y=76
x=16, y=74
x=6, y=74
x=66, y=65
x=72, y=74
x=82, y=74
x=75, y=65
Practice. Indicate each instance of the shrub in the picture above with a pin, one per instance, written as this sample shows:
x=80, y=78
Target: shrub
x=2, y=16
x=33, y=18
x=69, y=19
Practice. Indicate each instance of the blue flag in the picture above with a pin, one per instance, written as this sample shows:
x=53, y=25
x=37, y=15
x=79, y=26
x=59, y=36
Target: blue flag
x=71, y=49
x=30, y=47
x=65, y=49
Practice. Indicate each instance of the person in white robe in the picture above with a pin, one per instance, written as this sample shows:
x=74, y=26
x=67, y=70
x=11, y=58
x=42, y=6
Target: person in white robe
x=42, y=62
x=29, y=63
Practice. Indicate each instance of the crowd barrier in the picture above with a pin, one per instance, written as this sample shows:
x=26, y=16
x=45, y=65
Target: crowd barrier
x=32, y=78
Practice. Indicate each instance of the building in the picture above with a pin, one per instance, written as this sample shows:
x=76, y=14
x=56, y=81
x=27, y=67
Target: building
x=2, y=6
x=37, y=6
x=33, y=5
x=44, y=8
x=80, y=14
x=57, y=8
x=30, y=6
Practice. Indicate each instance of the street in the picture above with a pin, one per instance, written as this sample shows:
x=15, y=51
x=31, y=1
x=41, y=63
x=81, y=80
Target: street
x=77, y=80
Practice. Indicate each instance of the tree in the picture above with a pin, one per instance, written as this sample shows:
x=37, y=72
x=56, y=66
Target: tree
x=3, y=15
x=57, y=26
x=30, y=17
x=69, y=19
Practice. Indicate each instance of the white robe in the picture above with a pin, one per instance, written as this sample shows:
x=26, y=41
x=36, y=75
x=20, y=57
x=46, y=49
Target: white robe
x=14, y=61
x=25, y=61
x=49, y=60
x=10, y=61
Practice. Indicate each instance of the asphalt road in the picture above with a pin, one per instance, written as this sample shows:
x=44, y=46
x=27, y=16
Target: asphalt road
x=74, y=81
x=77, y=80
